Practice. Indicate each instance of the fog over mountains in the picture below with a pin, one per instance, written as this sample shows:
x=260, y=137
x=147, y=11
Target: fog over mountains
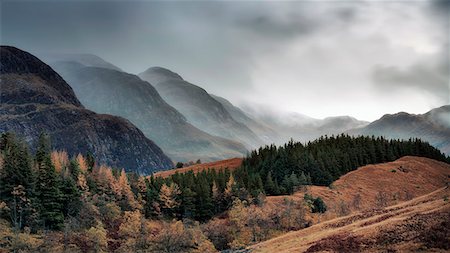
x=189, y=123
x=183, y=119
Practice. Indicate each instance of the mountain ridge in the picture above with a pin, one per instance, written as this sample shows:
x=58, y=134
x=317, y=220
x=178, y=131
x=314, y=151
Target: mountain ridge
x=199, y=107
x=109, y=91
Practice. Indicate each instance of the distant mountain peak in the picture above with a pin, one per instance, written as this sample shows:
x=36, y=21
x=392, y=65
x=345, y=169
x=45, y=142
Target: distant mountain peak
x=160, y=74
x=88, y=60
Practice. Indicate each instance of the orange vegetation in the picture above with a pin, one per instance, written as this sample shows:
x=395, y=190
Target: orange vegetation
x=380, y=185
x=391, y=207
x=406, y=227
x=230, y=164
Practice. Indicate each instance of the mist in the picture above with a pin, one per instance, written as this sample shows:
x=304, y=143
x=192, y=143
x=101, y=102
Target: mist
x=357, y=58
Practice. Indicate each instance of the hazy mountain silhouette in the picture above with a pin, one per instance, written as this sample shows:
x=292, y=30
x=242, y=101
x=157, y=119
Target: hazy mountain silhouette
x=433, y=126
x=114, y=92
x=199, y=107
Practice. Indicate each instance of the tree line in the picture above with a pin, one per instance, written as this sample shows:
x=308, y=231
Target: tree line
x=323, y=160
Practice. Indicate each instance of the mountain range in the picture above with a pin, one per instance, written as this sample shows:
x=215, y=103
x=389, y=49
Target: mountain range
x=255, y=127
x=158, y=112
x=433, y=126
x=110, y=91
x=35, y=99
x=199, y=107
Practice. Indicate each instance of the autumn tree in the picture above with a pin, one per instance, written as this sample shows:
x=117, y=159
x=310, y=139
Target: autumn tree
x=169, y=198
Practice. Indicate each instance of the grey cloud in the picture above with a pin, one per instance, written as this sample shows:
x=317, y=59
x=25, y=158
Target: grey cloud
x=296, y=19
x=429, y=77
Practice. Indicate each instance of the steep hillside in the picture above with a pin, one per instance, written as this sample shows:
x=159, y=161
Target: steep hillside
x=421, y=224
x=433, y=126
x=230, y=164
x=34, y=98
x=264, y=132
x=390, y=183
x=416, y=200
x=199, y=107
x=114, y=92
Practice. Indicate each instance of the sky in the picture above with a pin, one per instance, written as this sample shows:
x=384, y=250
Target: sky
x=318, y=58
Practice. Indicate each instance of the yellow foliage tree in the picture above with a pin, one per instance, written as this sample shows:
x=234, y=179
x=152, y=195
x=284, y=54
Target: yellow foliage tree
x=126, y=192
x=98, y=238
x=82, y=163
x=169, y=196
x=60, y=160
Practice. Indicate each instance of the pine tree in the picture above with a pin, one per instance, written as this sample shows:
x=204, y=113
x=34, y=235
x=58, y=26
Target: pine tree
x=48, y=187
x=16, y=168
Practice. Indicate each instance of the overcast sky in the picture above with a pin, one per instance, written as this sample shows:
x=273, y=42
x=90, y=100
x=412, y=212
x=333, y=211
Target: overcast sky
x=319, y=58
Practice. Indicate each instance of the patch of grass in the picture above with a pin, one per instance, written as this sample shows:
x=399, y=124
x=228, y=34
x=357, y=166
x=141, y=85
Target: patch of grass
x=393, y=171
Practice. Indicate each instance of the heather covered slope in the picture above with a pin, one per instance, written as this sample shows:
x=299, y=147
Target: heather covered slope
x=199, y=107
x=416, y=207
x=421, y=224
x=433, y=126
x=34, y=98
x=114, y=92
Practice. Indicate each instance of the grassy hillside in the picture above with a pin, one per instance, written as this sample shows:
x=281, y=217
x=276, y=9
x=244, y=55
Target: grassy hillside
x=419, y=224
x=230, y=164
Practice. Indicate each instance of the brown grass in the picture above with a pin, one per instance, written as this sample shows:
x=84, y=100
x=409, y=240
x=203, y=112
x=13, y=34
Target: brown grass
x=230, y=164
x=409, y=226
x=417, y=211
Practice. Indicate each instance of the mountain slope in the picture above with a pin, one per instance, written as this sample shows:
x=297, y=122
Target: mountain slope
x=34, y=98
x=416, y=191
x=433, y=126
x=199, y=107
x=264, y=132
x=114, y=92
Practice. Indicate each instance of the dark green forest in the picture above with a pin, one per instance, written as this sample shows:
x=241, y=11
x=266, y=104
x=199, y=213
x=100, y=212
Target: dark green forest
x=324, y=160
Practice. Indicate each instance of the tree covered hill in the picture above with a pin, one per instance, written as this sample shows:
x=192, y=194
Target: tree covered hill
x=326, y=159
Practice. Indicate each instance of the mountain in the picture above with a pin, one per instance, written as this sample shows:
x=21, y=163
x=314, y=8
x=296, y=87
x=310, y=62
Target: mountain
x=114, y=92
x=34, y=98
x=264, y=132
x=88, y=60
x=433, y=126
x=199, y=107
x=301, y=127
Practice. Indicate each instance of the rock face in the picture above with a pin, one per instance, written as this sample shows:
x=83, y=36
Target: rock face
x=35, y=99
x=199, y=107
x=433, y=126
x=114, y=92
